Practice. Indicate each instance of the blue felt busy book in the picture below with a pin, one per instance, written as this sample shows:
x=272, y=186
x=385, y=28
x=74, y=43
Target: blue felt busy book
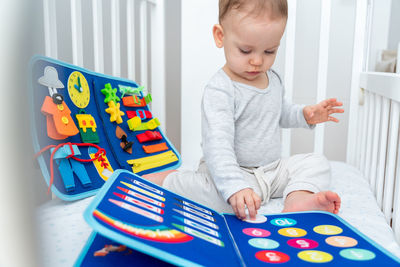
x=133, y=219
x=85, y=125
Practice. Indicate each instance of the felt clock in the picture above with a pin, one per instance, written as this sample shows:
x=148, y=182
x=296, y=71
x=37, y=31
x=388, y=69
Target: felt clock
x=78, y=89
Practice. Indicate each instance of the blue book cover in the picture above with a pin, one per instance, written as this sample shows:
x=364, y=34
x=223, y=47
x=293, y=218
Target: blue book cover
x=148, y=219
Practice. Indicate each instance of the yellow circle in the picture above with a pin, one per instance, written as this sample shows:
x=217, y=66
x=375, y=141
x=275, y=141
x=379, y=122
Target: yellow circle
x=315, y=256
x=327, y=229
x=60, y=107
x=64, y=120
x=341, y=241
x=292, y=232
x=78, y=89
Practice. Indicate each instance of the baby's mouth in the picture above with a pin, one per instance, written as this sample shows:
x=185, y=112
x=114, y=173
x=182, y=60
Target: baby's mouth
x=253, y=72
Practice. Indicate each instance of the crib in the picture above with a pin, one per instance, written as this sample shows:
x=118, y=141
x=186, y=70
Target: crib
x=131, y=39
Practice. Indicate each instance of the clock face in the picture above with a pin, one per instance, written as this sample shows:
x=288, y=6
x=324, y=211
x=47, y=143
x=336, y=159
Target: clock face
x=78, y=89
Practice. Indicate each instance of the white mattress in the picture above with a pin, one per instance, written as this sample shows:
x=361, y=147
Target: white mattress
x=63, y=231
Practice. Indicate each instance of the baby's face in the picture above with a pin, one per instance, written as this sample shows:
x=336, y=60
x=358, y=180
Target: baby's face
x=251, y=43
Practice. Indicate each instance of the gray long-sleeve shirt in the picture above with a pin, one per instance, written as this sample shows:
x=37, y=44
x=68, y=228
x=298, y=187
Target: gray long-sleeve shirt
x=241, y=127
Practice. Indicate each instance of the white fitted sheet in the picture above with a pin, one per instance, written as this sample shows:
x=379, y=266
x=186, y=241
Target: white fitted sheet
x=63, y=231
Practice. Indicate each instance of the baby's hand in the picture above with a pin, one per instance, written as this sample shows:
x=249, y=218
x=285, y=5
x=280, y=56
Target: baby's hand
x=245, y=197
x=321, y=112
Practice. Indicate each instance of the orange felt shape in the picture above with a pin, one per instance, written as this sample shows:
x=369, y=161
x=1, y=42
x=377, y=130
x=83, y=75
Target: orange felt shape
x=63, y=123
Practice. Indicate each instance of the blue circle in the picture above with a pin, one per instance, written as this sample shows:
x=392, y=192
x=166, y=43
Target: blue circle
x=263, y=243
x=283, y=222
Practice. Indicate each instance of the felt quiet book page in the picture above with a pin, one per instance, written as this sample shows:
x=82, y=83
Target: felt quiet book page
x=148, y=219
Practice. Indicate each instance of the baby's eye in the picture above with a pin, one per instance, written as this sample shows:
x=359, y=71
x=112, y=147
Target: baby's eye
x=244, y=51
x=269, y=52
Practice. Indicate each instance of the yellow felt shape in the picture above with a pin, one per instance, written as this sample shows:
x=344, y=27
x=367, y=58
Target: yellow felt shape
x=115, y=112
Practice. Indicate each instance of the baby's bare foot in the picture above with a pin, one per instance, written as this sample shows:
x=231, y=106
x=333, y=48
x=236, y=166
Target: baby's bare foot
x=306, y=201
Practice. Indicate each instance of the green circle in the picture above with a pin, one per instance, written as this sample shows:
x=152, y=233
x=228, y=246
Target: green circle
x=283, y=222
x=263, y=243
x=357, y=254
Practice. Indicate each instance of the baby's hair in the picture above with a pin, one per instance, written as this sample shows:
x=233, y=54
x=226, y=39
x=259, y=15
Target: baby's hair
x=277, y=8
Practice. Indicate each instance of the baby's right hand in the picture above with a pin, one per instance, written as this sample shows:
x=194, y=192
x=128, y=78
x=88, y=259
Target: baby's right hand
x=245, y=197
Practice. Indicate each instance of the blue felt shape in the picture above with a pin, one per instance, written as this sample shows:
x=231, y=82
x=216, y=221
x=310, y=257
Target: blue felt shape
x=65, y=151
x=67, y=168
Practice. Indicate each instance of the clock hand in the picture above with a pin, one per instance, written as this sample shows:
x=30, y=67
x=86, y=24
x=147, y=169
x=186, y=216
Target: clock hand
x=79, y=84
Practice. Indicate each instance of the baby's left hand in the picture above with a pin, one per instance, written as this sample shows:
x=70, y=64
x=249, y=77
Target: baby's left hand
x=321, y=112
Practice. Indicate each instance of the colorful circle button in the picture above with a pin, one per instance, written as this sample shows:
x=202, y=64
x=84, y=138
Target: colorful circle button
x=357, y=254
x=292, y=232
x=256, y=232
x=271, y=256
x=263, y=243
x=327, y=229
x=315, y=256
x=259, y=219
x=303, y=243
x=341, y=241
x=283, y=222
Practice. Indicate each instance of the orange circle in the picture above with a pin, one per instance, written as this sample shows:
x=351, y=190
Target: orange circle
x=341, y=241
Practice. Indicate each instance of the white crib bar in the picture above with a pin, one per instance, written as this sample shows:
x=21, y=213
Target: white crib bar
x=396, y=200
x=98, y=47
x=143, y=44
x=375, y=143
x=158, y=64
x=363, y=133
x=357, y=63
x=76, y=28
x=50, y=28
x=391, y=160
x=357, y=153
x=115, y=38
x=130, y=31
x=369, y=133
x=322, y=69
x=383, y=138
x=289, y=69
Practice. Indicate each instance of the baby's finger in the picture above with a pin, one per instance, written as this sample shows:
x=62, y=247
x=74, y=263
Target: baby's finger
x=332, y=119
x=240, y=208
x=335, y=110
x=232, y=201
x=251, y=207
x=257, y=201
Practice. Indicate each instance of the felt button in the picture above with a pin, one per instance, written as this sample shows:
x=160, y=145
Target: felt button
x=302, y=243
x=292, y=232
x=64, y=120
x=357, y=254
x=272, y=256
x=60, y=107
x=256, y=232
x=327, y=229
x=341, y=241
x=315, y=256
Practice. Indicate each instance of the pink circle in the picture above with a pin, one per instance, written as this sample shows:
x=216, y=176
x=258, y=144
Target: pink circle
x=256, y=232
x=302, y=243
x=272, y=256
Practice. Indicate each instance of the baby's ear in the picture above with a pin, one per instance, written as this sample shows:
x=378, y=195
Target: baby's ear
x=218, y=33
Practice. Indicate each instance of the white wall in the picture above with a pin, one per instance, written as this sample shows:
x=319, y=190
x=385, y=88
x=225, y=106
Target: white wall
x=200, y=60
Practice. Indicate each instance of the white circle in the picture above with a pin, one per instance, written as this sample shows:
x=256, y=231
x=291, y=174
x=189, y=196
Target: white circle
x=259, y=218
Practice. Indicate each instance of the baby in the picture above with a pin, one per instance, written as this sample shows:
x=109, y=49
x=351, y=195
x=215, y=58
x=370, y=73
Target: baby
x=243, y=109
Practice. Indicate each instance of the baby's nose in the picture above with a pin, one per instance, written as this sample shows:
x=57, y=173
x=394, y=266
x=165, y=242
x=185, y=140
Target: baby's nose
x=256, y=60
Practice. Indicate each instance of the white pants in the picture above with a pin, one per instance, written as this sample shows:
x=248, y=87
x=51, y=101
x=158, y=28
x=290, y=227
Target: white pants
x=310, y=172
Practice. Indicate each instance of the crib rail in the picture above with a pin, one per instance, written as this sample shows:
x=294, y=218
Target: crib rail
x=377, y=149
x=115, y=37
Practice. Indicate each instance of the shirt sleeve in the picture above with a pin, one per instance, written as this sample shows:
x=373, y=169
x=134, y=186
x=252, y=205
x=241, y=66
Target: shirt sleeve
x=218, y=134
x=292, y=116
